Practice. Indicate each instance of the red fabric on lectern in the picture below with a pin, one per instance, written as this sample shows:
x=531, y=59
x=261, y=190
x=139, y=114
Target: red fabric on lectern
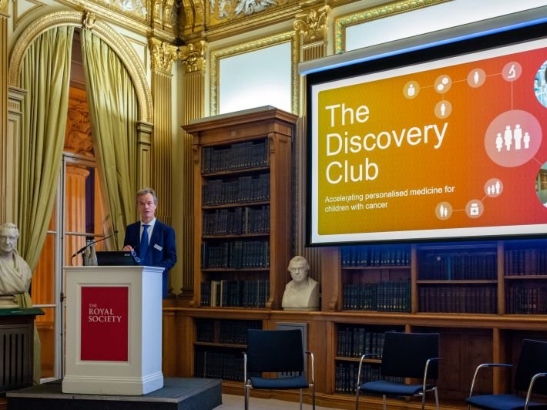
x=104, y=320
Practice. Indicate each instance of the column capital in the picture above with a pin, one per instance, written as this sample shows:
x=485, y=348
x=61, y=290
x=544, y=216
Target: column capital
x=163, y=55
x=193, y=56
x=313, y=24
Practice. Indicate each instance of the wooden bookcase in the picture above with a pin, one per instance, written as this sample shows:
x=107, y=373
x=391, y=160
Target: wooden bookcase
x=242, y=187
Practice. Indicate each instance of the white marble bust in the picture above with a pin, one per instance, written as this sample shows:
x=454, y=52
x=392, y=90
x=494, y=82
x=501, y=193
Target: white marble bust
x=302, y=292
x=15, y=274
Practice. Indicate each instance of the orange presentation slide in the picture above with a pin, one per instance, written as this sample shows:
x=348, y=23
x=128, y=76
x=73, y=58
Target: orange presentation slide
x=450, y=148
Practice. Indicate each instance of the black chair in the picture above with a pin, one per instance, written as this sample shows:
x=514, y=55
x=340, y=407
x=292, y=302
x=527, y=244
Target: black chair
x=529, y=380
x=404, y=356
x=280, y=354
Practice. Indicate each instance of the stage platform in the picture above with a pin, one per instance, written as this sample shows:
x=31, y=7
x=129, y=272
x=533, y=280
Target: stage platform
x=176, y=394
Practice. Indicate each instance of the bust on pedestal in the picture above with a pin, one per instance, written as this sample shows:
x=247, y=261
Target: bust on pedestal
x=302, y=292
x=15, y=273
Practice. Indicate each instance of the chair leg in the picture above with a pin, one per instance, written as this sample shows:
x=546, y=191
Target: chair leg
x=357, y=399
x=246, y=398
x=436, y=399
x=384, y=402
x=300, y=399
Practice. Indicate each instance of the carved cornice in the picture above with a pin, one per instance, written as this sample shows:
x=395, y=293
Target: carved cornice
x=239, y=26
x=313, y=25
x=163, y=55
x=193, y=56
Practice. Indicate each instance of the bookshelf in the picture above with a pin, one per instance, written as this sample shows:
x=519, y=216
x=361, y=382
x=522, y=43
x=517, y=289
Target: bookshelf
x=219, y=347
x=458, y=278
x=352, y=341
x=242, y=186
x=525, y=277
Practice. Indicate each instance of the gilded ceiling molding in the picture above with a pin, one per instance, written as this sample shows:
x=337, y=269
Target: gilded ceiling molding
x=375, y=13
x=116, y=42
x=106, y=12
x=163, y=55
x=217, y=55
x=313, y=25
x=163, y=13
x=132, y=7
x=193, y=56
x=4, y=7
x=280, y=14
x=192, y=20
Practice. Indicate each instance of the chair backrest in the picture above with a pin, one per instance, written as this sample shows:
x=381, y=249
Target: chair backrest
x=532, y=360
x=405, y=354
x=275, y=351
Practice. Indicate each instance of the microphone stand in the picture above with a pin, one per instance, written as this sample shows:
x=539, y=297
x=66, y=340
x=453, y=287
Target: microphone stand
x=91, y=243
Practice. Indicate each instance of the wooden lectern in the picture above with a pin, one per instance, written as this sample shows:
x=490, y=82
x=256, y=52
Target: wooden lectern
x=113, y=330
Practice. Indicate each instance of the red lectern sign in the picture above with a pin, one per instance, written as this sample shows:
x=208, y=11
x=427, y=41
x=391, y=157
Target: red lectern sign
x=104, y=321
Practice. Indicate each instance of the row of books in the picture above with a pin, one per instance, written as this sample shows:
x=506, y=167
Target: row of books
x=237, y=221
x=380, y=255
x=229, y=332
x=235, y=254
x=531, y=261
x=457, y=266
x=526, y=300
x=244, y=189
x=235, y=293
x=392, y=296
x=458, y=299
x=218, y=364
x=240, y=155
x=355, y=341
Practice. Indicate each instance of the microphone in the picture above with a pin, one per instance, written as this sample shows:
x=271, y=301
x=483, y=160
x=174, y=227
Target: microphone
x=94, y=242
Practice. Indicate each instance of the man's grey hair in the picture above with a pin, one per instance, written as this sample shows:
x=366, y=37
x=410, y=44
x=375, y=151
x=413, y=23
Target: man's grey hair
x=145, y=191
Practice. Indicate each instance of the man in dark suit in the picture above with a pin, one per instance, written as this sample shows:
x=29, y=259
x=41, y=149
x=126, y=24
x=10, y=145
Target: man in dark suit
x=152, y=241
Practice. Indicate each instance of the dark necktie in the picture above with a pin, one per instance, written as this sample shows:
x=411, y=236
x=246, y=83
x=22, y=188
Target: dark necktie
x=143, y=248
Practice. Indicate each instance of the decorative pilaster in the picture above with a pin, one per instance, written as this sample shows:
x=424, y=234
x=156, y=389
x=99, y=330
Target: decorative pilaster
x=161, y=165
x=311, y=29
x=193, y=61
x=9, y=170
x=4, y=154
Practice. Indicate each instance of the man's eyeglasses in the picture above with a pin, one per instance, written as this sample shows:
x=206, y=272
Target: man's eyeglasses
x=134, y=255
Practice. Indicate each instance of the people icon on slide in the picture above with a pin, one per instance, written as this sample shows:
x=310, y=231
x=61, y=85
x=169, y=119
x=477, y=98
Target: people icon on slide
x=443, y=109
x=411, y=90
x=476, y=78
x=443, y=210
x=493, y=187
x=513, y=138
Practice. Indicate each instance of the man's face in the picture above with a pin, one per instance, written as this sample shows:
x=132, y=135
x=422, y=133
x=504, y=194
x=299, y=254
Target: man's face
x=299, y=271
x=8, y=240
x=146, y=206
